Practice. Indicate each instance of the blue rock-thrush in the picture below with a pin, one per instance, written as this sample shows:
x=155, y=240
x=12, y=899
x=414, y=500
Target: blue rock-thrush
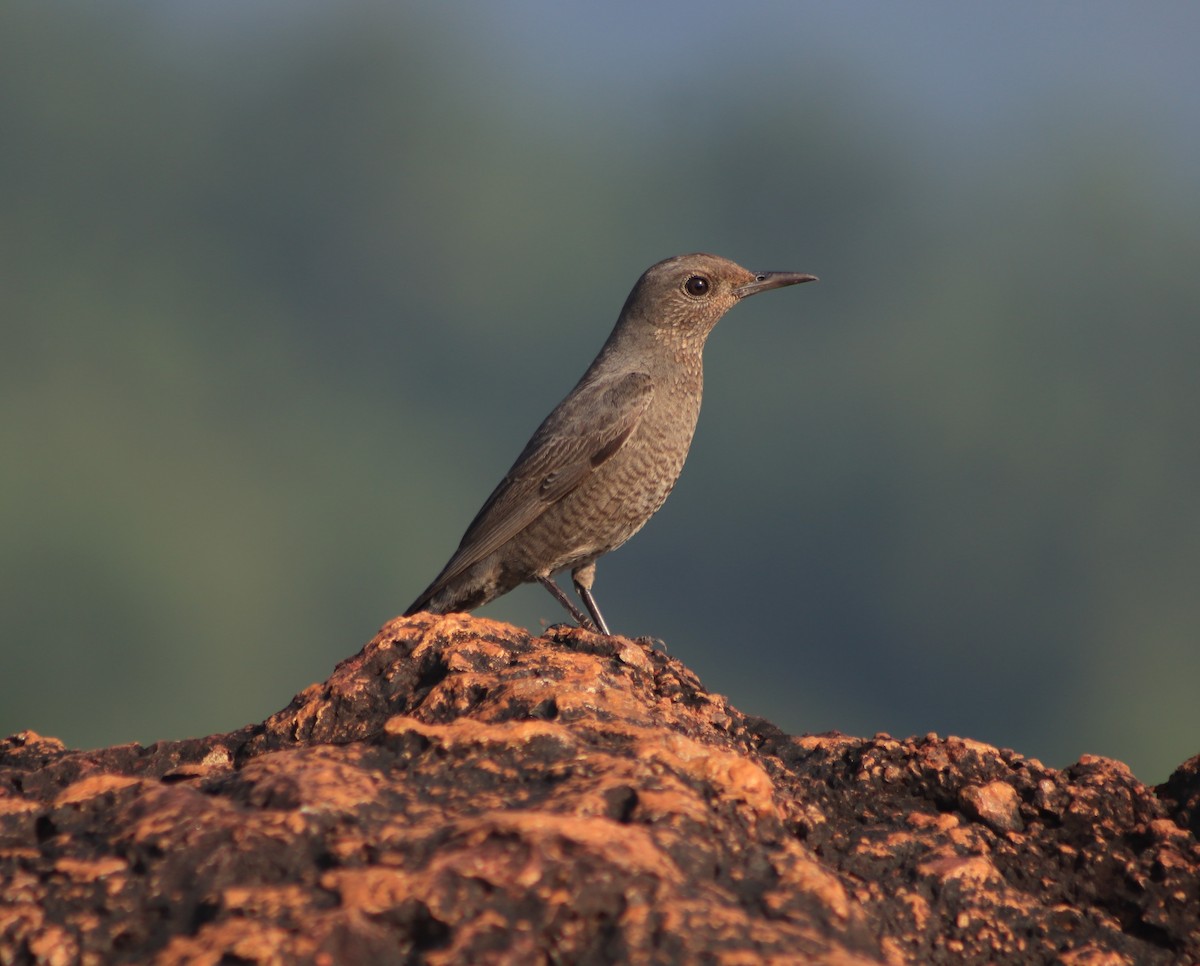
x=606, y=458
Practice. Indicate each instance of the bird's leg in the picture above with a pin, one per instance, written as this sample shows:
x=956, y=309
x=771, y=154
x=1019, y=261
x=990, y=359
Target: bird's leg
x=584, y=577
x=579, y=616
x=590, y=602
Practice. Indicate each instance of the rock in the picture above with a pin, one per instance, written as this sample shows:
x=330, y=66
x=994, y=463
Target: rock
x=462, y=792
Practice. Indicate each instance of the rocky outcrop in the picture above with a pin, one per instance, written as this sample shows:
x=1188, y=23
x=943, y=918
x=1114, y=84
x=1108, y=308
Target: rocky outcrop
x=462, y=792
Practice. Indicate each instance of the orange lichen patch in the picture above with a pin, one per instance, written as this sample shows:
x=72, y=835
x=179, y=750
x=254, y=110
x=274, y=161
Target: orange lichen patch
x=83, y=870
x=832, y=742
x=1091, y=955
x=970, y=744
x=266, y=902
x=216, y=761
x=28, y=740
x=176, y=816
x=671, y=801
x=314, y=780
x=475, y=656
x=1098, y=766
x=466, y=732
x=54, y=947
x=92, y=787
x=920, y=820
x=373, y=890
x=801, y=874
x=217, y=757
x=975, y=870
x=731, y=777
x=18, y=806
x=20, y=918
x=918, y=909
x=633, y=849
x=885, y=847
x=14, y=858
x=947, y=822
x=238, y=941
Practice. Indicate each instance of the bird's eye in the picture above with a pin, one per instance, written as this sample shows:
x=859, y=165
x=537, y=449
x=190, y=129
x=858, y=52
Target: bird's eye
x=697, y=286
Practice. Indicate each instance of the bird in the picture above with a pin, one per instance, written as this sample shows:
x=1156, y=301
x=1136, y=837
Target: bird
x=606, y=458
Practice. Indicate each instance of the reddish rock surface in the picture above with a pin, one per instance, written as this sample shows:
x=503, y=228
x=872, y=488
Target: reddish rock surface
x=462, y=792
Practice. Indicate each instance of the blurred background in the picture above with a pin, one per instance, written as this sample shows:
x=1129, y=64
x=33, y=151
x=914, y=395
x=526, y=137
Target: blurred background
x=285, y=287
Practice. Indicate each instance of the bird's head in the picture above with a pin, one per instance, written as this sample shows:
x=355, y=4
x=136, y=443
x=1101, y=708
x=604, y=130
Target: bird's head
x=685, y=296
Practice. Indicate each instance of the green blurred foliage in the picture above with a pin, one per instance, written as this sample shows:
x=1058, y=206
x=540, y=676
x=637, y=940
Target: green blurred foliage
x=285, y=288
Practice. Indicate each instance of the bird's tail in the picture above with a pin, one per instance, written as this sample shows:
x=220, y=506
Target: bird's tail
x=454, y=592
x=425, y=602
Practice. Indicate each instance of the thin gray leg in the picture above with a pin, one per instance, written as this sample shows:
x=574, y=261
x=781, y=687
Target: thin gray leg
x=590, y=603
x=579, y=616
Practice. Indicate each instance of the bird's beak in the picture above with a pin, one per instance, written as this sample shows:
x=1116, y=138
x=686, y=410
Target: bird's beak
x=768, y=280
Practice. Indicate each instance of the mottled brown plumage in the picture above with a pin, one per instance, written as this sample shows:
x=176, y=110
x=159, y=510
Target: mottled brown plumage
x=606, y=458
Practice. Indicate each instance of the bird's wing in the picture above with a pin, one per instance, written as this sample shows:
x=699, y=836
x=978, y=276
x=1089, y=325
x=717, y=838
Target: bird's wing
x=574, y=440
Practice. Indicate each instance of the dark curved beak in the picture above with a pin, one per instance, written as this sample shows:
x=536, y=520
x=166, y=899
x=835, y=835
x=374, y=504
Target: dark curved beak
x=768, y=280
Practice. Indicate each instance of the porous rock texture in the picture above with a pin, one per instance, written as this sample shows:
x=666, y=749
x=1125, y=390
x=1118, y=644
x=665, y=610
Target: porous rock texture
x=463, y=792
